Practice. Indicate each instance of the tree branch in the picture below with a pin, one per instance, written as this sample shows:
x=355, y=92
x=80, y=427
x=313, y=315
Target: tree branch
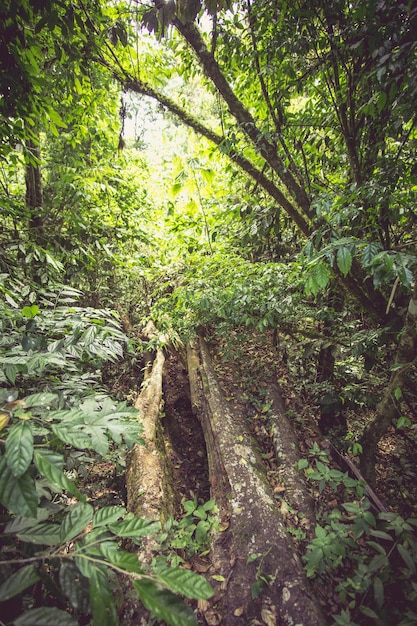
x=245, y=120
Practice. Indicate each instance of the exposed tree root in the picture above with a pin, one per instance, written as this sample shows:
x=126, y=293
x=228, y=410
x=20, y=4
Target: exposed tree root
x=256, y=531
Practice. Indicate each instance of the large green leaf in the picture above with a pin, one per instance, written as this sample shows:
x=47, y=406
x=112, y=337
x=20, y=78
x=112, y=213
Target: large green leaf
x=42, y=534
x=41, y=399
x=101, y=600
x=18, y=495
x=19, y=448
x=164, y=605
x=73, y=436
x=19, y=581
x=74, y=522
x=55, y=477
x=45, y=616
x=122, y=559
x=186, y=582
x=134, y=527
x=107, y=515
x=344, y=260
x=75, y=586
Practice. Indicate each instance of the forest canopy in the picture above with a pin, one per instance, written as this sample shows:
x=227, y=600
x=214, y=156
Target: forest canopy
x=232, y=172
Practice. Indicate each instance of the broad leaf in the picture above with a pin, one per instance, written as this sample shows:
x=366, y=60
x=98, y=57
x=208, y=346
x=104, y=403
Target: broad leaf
x=79, y=516
x=19, y=448
x=164, y=605
x=73, y=436
x=86, y=566
x=134, y=527
x=107, y=515
x=41, y=534
x=407, y=558
x=369, y=253
x=321, y=275
x=75, y=586
x=122, y=559
x=45, y=616
x=19, y=581
x=344, y=260
x=41, y=399
x=18, y=495
x=56, y=478
x=101, y=600
x=186, y=582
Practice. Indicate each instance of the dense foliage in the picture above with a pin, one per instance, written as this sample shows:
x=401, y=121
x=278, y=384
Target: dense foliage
x=289, y=211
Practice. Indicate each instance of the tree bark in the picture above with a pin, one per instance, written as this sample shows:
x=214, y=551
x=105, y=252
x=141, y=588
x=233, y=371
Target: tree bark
x=149, y=493
x=255, y=547
x=34, y=194
x=388, y=407
x=296, y=494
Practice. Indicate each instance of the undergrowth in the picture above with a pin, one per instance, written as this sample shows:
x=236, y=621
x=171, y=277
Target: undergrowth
x=372, y=554
x=61, y=554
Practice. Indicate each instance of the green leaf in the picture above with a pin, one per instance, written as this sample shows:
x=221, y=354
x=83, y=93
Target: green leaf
x=55, y=477
x=45, y=616
x=186, y=582
x=41, y=534
x=398, y=393
x=30, y=311
x=19, y=448
x=73, y=436
x=75, y=586
x=107, y=515
x=101, y=600
x=79, y=516
x=318, y=278
x=85, y=565
x=120, y=558
x=369, y=253
x=19, y=581
x=41, y=399
x=344, y=260
x=256, y=588
x=382, y=100
x=379, y=592
x=302, y=464
x=407, y=558
x=134, y=527
x=18, y=495
x=164, y=605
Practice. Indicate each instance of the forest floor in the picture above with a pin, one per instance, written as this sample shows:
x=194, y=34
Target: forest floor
x=245, y=370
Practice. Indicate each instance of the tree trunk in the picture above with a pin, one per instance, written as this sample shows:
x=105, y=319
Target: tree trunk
x=149, y=492
x=34, y=195
x=288, y=455
x=254, y=553
x=388, y=407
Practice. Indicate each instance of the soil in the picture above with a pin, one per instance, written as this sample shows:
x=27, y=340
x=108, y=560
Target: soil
x=184, y=436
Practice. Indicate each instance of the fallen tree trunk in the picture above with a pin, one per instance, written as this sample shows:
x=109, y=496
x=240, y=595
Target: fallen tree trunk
x=263, y=576
x=286, y=450
x=149, y=492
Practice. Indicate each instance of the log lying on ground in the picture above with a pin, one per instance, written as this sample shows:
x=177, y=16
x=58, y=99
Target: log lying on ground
x=149, y=493
x=285, y=445
x=256, y=547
